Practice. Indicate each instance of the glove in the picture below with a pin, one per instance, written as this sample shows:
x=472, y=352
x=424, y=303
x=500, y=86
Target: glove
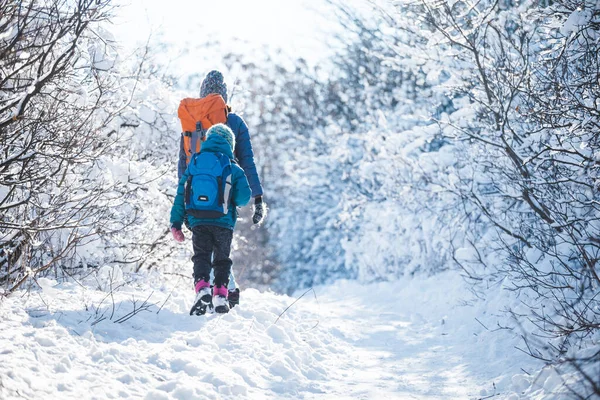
x=260, y=210
x=177, y=234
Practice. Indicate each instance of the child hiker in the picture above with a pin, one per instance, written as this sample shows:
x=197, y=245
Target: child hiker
x=209, y=191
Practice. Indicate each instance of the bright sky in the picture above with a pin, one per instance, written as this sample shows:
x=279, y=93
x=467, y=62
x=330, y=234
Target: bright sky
x=296, y=25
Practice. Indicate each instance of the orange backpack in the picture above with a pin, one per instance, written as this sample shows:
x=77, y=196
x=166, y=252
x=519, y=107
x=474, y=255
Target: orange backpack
x=197, y=115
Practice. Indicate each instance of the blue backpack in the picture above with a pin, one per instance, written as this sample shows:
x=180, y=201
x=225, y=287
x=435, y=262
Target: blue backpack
x=208, y=187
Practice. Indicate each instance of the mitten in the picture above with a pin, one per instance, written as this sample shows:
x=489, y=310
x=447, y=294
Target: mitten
x=177, y=234
x=259, y=210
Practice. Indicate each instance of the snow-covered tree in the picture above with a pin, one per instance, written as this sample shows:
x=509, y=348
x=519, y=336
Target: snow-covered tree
x=527, y=129
x=68, y=175
x=51, y=85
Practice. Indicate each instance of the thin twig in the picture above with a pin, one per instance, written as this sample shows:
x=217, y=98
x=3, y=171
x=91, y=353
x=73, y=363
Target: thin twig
x=295, y=301
x=144, y=307
x=481, y=323
x=165, y=302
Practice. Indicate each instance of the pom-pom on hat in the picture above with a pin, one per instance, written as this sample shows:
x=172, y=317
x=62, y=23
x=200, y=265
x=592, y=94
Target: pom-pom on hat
x=223, y=131
x=214, y=83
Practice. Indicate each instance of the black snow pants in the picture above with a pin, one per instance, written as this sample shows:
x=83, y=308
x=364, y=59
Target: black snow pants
x=212, y=247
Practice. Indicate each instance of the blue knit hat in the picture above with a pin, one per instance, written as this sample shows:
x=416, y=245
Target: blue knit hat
x=223, y=131
x=213, y=83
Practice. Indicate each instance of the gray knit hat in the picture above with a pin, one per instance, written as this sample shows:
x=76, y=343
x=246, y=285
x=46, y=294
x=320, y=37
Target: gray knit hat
x=213, y=83
x=223, y=131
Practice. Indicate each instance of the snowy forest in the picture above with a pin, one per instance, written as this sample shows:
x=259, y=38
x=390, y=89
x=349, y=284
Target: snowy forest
x=436, y=139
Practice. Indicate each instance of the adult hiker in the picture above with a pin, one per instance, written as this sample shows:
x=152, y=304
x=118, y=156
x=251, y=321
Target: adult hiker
x=197, y=115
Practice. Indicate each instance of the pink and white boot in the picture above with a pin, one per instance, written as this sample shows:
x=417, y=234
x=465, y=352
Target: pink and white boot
x=219, y=300
x=203, y=298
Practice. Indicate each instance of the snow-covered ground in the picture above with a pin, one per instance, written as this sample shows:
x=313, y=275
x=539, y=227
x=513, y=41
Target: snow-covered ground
x=420, y=338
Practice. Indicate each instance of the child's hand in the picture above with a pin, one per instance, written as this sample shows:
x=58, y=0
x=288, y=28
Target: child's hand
x=177, y=234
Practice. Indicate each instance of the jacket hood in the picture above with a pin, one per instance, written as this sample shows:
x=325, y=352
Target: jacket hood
x=217, y=144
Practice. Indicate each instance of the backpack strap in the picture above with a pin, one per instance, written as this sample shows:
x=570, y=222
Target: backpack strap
x=196, y=135
x=226, y=185
x=188, y=190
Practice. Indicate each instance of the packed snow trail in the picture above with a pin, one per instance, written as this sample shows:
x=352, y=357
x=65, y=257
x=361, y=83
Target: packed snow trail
x=414, y=339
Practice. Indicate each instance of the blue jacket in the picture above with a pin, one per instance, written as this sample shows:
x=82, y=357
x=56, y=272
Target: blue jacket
x=243, y=153
x=240, y=190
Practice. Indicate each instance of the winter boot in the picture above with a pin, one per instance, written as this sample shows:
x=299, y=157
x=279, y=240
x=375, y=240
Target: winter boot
x=233, y=297
x=203, y=299
x=219, y=300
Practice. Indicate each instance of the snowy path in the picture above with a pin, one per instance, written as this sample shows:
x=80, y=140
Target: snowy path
x=410, y=344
